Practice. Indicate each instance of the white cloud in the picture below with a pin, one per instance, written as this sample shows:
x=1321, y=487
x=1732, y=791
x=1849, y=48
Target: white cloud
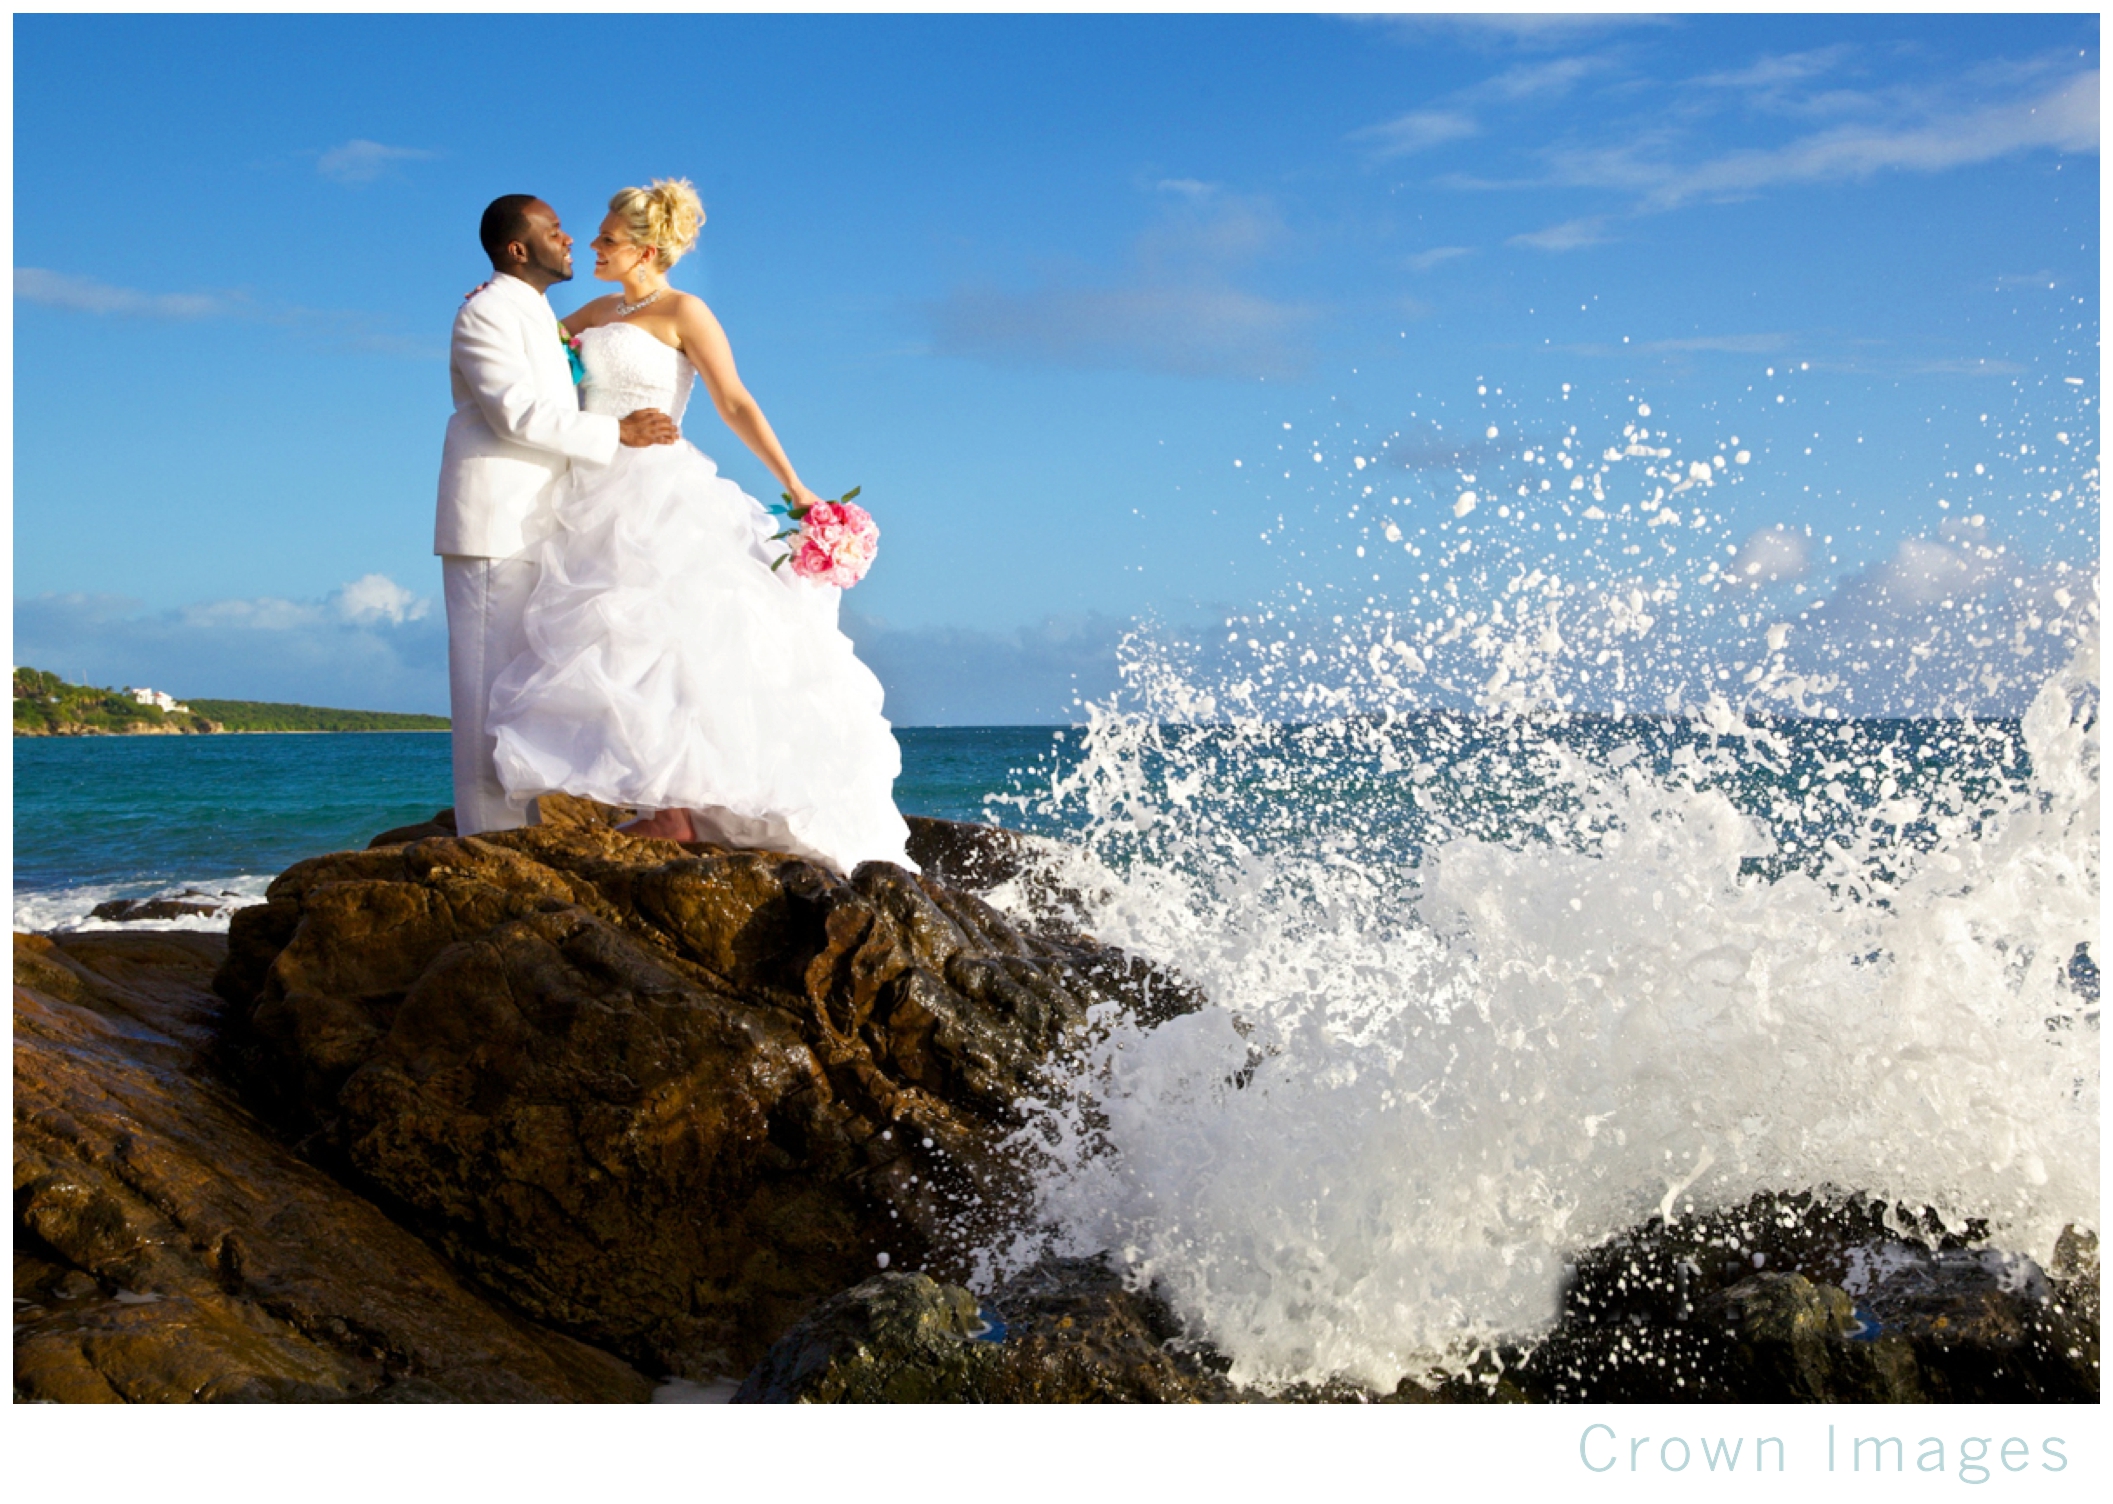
x=362, y=648
x=1946, y=625
x=1179, y=308
x=376, y=597
x=1454, y=116
x=1550, y=80
x=361, y=161
x=1923, y=570
x=1204, y=225
x=1418, y=130
x=1960, y=365
x=1729, y=344
x=1570, y=235
x=1526, y=32
x=1997, y=110
x=1767, y=80
x=1423, y=261
x=1771, y=556
x=343, y=327
x=966, y=676
x=2064, y=118
x=1185, y=328
x=1910, y=134
x=51, y=289
x=372, y=645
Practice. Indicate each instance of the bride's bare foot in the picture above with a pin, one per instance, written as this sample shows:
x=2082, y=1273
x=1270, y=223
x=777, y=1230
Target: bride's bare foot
x=665, y=825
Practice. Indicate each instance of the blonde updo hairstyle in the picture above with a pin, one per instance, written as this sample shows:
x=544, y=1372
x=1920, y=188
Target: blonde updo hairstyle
x=665, y=216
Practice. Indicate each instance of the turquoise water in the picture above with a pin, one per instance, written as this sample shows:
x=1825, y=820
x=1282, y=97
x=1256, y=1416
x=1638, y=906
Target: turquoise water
x=128, y=816
x=124, y=817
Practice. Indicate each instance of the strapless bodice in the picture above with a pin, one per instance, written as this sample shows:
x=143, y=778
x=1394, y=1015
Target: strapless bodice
x=628, y=369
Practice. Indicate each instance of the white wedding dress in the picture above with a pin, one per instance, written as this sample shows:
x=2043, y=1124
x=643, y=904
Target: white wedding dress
x=670, y=667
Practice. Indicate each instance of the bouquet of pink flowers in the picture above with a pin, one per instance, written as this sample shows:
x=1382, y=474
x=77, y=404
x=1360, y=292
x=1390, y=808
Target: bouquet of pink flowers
x=831, y=541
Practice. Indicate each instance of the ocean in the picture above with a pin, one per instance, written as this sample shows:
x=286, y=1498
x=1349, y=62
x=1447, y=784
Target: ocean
x=101, y=818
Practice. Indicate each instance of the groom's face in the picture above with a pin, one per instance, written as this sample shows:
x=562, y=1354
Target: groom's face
x=549, y=247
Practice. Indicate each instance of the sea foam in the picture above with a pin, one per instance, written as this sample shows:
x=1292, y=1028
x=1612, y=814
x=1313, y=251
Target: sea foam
x=1488, y=987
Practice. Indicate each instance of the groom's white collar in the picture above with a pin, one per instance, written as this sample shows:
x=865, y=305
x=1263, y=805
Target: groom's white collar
x=513, y=287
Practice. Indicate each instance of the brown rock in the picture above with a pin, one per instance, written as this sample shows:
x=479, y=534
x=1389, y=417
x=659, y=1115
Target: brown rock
x=974, y=858
x=663, y=1096
x=168, y=1249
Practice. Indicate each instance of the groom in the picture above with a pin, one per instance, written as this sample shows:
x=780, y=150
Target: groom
x=516, y=429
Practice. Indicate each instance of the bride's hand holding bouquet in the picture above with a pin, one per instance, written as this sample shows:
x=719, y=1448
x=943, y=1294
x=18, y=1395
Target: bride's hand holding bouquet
x=831, y=541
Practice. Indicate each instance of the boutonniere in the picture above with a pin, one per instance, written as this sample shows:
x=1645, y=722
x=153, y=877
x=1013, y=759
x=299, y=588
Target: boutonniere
x=571, y=342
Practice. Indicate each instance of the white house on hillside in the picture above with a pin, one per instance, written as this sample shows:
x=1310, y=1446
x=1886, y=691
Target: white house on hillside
x=157, y=698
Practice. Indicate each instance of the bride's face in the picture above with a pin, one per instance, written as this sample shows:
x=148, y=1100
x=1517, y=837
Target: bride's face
x=615, y=256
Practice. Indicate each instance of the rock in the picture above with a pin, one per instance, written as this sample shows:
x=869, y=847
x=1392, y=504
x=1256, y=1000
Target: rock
x=1064, y=1332
x=897, y=1339
x=442, y=824
x=166, y=1248
x=973, y=858
x=188, y=903
x=662, y=1100
x=1790, y=1339
x=1807, y=1299
x=664, y=1097
x=1075, y=1333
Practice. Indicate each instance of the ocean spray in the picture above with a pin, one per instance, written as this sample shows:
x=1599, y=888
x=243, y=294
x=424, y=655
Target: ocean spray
x=1491, y=985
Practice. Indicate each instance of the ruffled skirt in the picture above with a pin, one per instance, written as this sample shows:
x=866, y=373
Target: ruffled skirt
x=669, y=667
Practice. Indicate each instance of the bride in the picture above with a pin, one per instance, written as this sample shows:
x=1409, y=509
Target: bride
x=669, y=667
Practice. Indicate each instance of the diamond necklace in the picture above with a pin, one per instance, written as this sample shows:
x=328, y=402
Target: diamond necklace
x=625, y=310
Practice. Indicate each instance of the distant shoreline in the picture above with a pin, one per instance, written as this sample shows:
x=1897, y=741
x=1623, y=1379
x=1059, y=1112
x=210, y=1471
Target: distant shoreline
x=46, y=705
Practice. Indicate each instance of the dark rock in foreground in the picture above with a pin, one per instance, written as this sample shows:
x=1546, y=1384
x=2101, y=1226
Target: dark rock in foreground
x=664, y=1097
x=1646, y=1320
x=167, y=1248
x=1067, y=1332
x=1802, y=1299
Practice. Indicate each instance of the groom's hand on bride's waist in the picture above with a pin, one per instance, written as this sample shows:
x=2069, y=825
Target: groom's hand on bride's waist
x=646, y=427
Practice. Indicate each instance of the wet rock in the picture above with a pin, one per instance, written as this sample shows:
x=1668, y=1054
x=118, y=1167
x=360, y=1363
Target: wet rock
x=166, y=1248
x=896, y=1339
x=973, y=858
x=1809, y=1299
x=190, y=903
x=1076, y=1334
x=663, y=1096
x=1790, y=1339
x=1064, y=1332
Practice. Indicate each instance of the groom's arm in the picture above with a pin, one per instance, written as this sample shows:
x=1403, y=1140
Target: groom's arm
x=487, y=350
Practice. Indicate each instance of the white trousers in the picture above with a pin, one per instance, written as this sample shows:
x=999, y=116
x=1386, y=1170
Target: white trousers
x=485, y=600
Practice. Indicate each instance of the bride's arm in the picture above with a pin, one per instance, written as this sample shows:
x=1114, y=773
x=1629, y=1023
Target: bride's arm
x=704, y=342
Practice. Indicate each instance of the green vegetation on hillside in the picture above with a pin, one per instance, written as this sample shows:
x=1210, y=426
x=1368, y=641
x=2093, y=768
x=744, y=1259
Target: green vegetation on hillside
x=46, y=705
x=262, y=715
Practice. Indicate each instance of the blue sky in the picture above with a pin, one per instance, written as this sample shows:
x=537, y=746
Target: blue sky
x=1037, y=284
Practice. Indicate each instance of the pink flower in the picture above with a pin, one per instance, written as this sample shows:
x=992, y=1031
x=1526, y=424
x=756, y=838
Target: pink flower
x=836, y=544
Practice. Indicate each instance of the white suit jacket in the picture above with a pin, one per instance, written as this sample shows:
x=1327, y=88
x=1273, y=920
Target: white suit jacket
x=517, y=424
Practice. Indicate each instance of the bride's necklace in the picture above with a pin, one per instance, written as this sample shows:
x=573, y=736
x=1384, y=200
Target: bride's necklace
x=625, y=310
